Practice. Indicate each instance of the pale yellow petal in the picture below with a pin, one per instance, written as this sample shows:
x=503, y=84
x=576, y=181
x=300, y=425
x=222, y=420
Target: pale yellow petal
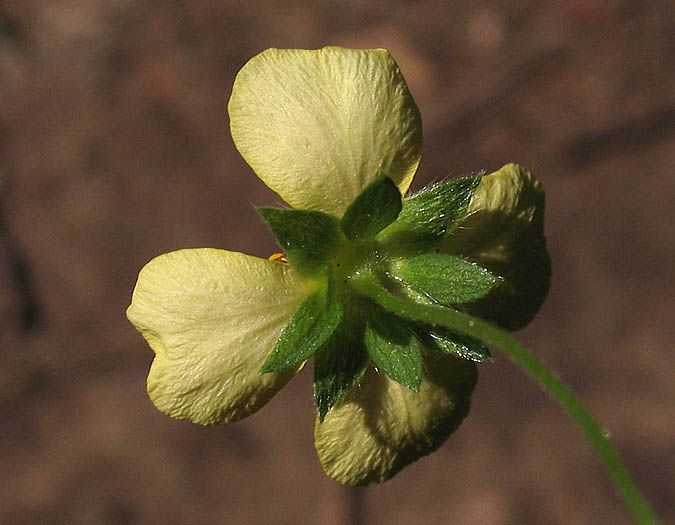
x=317, y=125
x=381, y=427
x=504, y=232
x=212, y=317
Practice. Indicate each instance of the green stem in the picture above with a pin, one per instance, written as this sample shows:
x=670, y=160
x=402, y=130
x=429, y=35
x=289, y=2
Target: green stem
x=370, y=286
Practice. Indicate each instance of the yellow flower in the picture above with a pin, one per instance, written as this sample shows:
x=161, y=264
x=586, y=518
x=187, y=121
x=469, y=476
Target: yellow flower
x=317, y=127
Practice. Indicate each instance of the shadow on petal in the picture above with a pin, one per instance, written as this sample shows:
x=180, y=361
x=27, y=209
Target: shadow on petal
x=381, y=426
x=504, y=233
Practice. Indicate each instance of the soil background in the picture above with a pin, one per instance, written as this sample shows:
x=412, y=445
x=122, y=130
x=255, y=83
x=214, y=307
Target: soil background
x=115, y=148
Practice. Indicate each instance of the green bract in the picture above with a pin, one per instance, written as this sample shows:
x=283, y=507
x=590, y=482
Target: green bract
x=372, y=274
x=337, y=316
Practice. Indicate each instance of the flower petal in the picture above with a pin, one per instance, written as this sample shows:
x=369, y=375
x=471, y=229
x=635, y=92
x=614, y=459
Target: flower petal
x=381, y=427
x=504, y=232
x=212, y=317
x=317, y=125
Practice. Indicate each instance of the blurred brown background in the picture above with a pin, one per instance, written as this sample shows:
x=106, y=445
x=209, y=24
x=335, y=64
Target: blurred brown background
x=114, y=148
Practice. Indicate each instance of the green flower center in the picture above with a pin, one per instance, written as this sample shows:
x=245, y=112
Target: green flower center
x=382, y=242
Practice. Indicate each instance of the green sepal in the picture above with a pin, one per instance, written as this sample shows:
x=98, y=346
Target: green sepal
x=430, y=215
x=308, y=238
x=338, y=365
x=445, y=279
x=312, y=324
x=449, y=342
x=373, y=210
x=394, y=349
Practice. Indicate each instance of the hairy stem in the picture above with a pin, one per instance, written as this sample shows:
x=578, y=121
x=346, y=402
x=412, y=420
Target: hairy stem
x=370, y=286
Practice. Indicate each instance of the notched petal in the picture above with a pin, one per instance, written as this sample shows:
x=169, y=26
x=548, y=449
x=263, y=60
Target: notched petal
x=212, y=317
x=381, y=426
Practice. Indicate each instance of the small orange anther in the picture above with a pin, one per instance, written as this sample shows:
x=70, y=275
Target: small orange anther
x=278, y=257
